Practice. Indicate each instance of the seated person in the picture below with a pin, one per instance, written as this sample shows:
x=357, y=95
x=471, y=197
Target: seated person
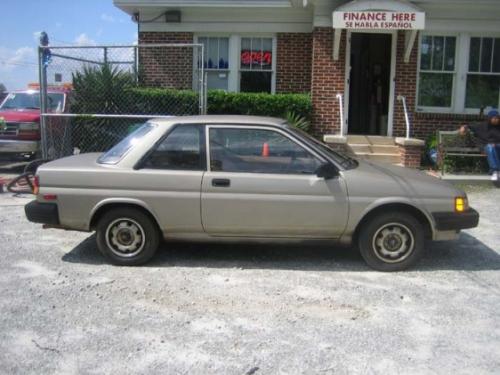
x=488, y=134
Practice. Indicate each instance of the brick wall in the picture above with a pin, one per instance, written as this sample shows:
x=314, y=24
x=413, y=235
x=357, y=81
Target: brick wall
x=293, y=62
x=410, y=156
x=423, y=124
x=327, y=80
x=169, y=67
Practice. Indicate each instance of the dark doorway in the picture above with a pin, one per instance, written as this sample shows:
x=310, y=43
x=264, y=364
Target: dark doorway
x=369, y=83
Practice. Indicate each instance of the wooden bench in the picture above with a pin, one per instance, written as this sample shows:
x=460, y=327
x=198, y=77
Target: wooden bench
x=451, y=143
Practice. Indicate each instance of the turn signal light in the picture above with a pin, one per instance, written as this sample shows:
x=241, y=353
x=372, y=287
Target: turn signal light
x=461, y=204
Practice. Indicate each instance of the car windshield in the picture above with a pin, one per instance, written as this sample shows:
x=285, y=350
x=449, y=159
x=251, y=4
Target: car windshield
x=31, y=100
x=344, y=160
x=118, y=151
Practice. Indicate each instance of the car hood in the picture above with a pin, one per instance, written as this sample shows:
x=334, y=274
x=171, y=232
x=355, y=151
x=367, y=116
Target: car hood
x=382, y=180
x=21, y=115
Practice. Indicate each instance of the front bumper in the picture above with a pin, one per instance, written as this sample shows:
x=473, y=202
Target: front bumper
x=43, y=213
x=446, y=221
x=18, y=147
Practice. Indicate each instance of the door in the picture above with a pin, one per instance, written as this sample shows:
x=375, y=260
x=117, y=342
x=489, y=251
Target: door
x=262, y=183
x=169, y=180
x=370, y=73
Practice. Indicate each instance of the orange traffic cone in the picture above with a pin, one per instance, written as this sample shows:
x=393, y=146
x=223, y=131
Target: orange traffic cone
x=265, y=149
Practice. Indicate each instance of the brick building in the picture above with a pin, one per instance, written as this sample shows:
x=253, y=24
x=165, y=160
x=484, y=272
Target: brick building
x=442, y=56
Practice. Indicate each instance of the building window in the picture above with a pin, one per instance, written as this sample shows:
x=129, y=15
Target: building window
x=216, y=61
x=437, y=71
x=256, y=64
x=483, y=75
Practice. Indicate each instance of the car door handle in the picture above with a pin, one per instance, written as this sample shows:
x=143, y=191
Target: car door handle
x=221, y=182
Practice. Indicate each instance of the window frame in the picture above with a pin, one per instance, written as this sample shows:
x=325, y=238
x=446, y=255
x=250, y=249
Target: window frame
x=462, y=55
x=258, y=127
x=141, y=163
x=454, y=73
x=273, y=60
x=229, y=57
x=469, y=110
x=234, y=56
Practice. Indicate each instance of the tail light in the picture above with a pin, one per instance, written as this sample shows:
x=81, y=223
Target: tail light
x=36, y=184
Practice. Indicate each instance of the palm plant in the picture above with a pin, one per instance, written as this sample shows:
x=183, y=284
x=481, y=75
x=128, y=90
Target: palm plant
x=297, y=121
x=100, y=90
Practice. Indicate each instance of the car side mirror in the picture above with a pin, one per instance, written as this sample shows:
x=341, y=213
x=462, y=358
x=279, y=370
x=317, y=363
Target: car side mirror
x=327, y=171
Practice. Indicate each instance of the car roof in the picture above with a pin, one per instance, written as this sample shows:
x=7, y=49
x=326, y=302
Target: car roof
x=221, y=119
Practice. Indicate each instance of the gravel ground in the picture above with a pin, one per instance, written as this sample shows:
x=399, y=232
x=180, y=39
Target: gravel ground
x=207, y=309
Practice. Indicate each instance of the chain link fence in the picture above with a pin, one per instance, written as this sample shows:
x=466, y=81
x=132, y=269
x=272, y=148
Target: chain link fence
x=93, y=96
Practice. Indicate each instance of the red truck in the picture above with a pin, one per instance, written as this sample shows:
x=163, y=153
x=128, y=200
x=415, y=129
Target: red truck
x=20, y=119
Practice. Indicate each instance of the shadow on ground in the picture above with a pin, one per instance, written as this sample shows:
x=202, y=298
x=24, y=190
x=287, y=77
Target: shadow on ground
x=11, y=166
x=465, y=254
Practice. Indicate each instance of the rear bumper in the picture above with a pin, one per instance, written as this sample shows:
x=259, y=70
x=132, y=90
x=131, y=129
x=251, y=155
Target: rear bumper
x=43, y=213
x=456, y=220
x=18, y=147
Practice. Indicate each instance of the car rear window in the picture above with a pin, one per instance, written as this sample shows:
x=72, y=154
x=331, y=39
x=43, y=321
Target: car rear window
x=118, y=151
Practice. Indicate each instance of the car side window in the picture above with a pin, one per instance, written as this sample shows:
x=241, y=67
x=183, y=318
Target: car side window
x=182, y=149
x=258, y=151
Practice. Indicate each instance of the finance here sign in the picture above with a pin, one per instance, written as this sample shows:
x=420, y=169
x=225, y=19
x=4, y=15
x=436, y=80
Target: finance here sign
x=379, y=20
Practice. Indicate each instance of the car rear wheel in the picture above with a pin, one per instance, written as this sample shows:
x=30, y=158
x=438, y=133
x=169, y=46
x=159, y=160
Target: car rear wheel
x=392, y=241
x=127, y=236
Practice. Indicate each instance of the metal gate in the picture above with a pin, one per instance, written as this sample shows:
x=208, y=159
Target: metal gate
x=93, y=96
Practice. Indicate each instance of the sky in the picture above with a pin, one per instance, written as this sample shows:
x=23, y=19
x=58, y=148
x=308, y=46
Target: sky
x=67, y=22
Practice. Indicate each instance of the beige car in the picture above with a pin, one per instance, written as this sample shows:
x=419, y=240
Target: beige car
x=241, y=178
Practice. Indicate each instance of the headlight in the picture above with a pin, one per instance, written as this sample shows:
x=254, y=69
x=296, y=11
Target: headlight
x=461, y=204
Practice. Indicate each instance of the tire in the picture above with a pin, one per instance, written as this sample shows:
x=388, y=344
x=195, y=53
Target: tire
x=392, y=241
x=127, y=236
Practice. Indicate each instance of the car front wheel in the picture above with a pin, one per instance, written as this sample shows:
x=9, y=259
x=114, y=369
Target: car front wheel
x=392, y=241
x=127, y=236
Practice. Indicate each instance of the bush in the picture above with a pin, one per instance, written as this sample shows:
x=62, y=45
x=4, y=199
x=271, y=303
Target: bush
x=158, y=101
x=184, y=102
x=259, y=104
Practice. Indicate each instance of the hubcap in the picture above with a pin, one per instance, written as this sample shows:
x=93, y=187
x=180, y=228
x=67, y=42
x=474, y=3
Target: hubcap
x=125, y=237
x=393, y=243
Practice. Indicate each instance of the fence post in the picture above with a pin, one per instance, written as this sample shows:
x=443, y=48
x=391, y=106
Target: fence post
x=136, y=64
x=42, y=71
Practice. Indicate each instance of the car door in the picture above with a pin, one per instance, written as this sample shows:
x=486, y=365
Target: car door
x=170, y=176
x=261, y=182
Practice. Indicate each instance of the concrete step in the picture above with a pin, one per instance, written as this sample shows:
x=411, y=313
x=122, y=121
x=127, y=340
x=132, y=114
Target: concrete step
x=380, y=157
x=358, y=139
x=359, y=148
x=370, y=139
x=380, y=140
x=364, y=148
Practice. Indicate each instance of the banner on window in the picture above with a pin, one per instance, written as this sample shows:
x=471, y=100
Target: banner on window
x=379, y=20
